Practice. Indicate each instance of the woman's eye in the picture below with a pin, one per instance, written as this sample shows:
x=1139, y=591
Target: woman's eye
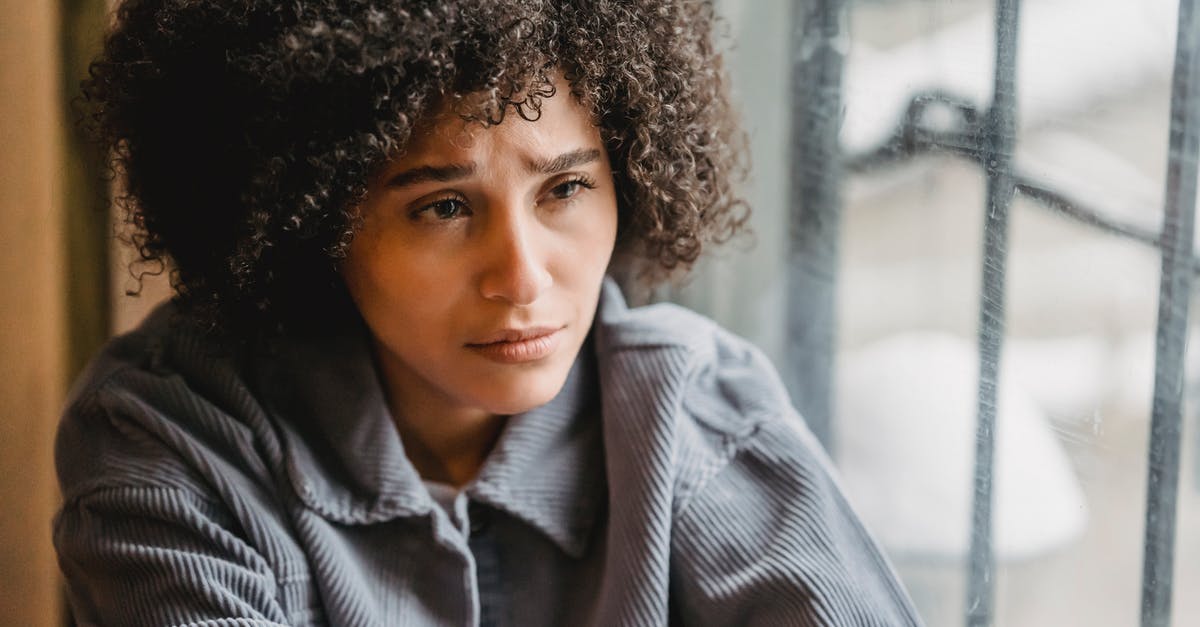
x=445, y=209
x=568, y=189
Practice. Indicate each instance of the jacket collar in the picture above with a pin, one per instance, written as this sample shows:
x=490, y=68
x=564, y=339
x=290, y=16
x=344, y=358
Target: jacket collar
x=345, y=460
x=547, y=468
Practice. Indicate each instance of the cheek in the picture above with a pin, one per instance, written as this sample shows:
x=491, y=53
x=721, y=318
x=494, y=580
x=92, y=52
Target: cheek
x=591, y=239
x=603, y=235
x=391, y=287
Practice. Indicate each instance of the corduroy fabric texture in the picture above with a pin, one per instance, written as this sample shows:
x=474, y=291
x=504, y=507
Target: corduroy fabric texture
x=669, y=482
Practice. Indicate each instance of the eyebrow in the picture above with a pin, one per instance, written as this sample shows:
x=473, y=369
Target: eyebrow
x=457, y=171
x=443, y=173
x=565, y=161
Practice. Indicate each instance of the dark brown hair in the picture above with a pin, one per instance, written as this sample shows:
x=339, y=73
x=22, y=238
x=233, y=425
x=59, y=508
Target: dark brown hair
x=245, y=131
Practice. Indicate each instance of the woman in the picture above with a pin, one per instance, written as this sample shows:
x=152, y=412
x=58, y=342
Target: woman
x=395, y=387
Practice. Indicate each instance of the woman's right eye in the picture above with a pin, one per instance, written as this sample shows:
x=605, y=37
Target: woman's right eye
x=444, y=209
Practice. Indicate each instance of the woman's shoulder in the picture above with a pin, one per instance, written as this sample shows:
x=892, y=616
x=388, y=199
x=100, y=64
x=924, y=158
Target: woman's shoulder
x=715, y=396
x=720, y=379
x=754, y=494
x=166, y=344
x=149, y=405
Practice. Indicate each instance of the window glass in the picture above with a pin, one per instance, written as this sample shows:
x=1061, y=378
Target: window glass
x=1081, y=286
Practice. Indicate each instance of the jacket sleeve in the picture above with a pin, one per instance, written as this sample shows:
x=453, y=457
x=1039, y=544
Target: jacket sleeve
x=141, y=538
x=160, y=556
x=771, y=540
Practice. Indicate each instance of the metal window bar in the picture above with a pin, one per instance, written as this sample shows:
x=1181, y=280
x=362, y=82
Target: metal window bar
x=1174, y=294
x=818, y=57
x=999, y=141
x=819, y=41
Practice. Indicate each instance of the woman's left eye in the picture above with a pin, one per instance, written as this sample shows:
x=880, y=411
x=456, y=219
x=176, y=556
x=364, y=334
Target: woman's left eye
x=569, y=189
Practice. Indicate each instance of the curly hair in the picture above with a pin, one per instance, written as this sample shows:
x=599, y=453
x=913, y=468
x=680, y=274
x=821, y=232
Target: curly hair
x=245, y=131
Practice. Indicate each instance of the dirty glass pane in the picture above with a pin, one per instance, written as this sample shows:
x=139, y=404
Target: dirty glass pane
x=1096, y=139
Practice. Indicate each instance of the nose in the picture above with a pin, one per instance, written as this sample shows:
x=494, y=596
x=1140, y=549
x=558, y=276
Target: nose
x=516, y=270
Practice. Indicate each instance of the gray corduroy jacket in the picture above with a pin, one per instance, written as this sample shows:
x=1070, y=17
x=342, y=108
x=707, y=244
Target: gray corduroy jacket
x=670, y=482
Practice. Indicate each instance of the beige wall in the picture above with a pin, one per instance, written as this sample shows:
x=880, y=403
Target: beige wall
x=32, y=348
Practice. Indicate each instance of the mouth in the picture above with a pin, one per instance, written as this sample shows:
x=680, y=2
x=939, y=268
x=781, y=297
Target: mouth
x=513, y=346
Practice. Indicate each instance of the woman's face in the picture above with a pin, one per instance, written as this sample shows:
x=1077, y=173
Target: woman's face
x=480, y=258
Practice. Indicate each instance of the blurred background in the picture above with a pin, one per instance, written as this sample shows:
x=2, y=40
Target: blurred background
x=895, y=384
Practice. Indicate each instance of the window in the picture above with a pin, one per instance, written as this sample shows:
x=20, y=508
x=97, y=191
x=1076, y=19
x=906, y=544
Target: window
x=974, y=223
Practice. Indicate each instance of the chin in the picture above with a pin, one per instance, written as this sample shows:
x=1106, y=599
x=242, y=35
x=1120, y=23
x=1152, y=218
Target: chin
x=523, y=393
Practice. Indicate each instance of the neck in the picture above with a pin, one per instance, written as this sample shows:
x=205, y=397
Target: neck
x=447, y=450
x=445, y=442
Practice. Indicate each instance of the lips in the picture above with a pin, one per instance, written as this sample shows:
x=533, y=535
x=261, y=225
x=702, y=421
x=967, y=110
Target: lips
x=515, y=335
x=512, y=346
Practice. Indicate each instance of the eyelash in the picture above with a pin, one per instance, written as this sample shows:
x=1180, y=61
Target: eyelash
x=456, y=199
x=582, y=180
